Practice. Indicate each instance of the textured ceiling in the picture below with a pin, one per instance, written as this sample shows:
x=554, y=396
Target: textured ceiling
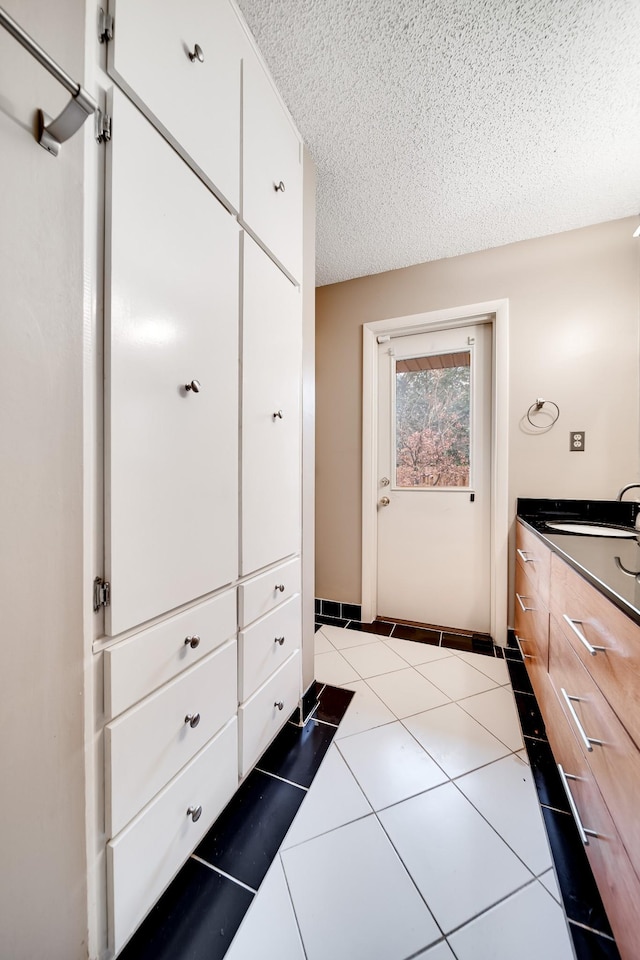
x=440, y=127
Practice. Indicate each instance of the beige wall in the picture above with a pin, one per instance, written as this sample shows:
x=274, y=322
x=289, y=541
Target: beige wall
x=43, y=911
x=573, y=338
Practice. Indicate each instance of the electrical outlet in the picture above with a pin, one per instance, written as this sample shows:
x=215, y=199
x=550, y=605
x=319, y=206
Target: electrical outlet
x=576, y=440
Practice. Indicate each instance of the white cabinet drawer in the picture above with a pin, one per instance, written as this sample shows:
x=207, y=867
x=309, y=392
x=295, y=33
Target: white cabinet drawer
x=260, y=717
x=196, y=104
x=136, y=667
x=272, y=158
x=147, y=745
x=266, y=644
x=261, y=594
x=143, y=859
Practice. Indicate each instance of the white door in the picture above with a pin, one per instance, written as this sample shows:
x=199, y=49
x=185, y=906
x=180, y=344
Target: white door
x=172, y=315
x=434, y=478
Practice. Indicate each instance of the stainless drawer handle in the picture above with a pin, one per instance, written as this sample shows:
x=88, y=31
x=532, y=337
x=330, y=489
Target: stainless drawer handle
x=193, y=719
x=525, y=608
x=194, y=385
x=197, y=54
x=279, y=640
x=195, y=813
x=279, y=704
x=573, y=623
x=582, y=830
x=525, y=656
x=280, y=587
x=525, y=558
x=588, y=741
x=192, y=642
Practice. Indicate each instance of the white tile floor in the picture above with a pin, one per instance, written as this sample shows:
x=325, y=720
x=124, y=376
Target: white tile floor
x=421, y=836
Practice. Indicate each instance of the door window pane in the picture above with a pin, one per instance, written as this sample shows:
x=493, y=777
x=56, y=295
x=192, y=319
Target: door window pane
x=433, y=407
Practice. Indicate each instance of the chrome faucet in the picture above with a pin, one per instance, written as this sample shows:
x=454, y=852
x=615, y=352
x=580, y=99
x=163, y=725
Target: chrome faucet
x=628, y=486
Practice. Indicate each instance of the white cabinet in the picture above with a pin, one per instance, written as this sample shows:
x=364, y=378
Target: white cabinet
x=271, y=371
x=145, y=856
x=195, y=103
x=261, y=594
x=172, y=375
x=263, y=714
x=266, y=644
x=272, y=171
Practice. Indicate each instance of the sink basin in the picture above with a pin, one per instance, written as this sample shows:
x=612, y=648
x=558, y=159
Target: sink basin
x=591, y=529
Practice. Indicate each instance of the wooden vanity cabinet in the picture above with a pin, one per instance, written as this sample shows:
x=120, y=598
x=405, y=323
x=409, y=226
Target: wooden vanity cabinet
x=583, y=657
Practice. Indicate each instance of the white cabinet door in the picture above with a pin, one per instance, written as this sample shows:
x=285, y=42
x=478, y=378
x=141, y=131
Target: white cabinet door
x=196, y=104
x=272, y=171
x=171, y=319
x=271, y=336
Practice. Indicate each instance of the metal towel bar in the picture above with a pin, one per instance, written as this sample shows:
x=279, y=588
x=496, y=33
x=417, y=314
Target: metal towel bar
x=52, y=133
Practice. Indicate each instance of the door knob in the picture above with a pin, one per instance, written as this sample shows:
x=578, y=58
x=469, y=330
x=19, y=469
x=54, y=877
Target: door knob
x=194, y=385
x=384, y=501
x=278, y=415
x=279, y=704
x=193, y=719
x=385, y=482
x=195, y=813
x=279, y=187
x=192, y=642
x=279, y=640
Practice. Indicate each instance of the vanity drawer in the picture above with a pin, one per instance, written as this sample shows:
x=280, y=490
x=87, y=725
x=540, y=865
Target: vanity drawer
x=261, y=594
x=135, y=667
x=617, y=880
x=582, y=610
x=144, y=857
x=266, y=644
x=612, y=756
x=535, y=558
x=260, y=718
x=147, y=745
x=531, y=622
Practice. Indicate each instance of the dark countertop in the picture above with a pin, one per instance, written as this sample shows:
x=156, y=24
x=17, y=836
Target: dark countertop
x=593, y=557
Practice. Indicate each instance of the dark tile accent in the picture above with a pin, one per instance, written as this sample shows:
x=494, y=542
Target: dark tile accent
x=331, y=608
x=512, y=653
x=419, y=634
x=352, y=611
x=246, y=836
x=592, y=946
x=545, y=774
x=333, y=704
x=297, y=752
x=498, y=651
x=317, y=603
x=530, y=717
x=476, y=643
x=519, y=676
x=331, y=621
x=197, y=917
x=511, y=638
x=380, y=627
x=579, y=891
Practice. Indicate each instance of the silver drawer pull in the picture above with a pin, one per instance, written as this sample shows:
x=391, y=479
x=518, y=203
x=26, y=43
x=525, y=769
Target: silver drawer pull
x=193, y=719
x=588, y=741
x=584, y=833
x=525, y=608
x=279, y=704
x=195, y=813
x=525, y=656
x=278, y=415
x=580, y=635
x=279, y=640
x=279, y=187
x=192, y=642
x=194, y=386
x=525, y=558
x=197, y=54
x=280, y=587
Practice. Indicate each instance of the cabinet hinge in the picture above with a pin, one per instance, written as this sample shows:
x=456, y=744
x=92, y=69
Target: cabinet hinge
x=101, y=593
x=105, y=26
x=103, y=126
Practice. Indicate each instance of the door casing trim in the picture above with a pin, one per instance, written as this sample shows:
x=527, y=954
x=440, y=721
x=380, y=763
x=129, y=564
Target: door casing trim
x=495, y=312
